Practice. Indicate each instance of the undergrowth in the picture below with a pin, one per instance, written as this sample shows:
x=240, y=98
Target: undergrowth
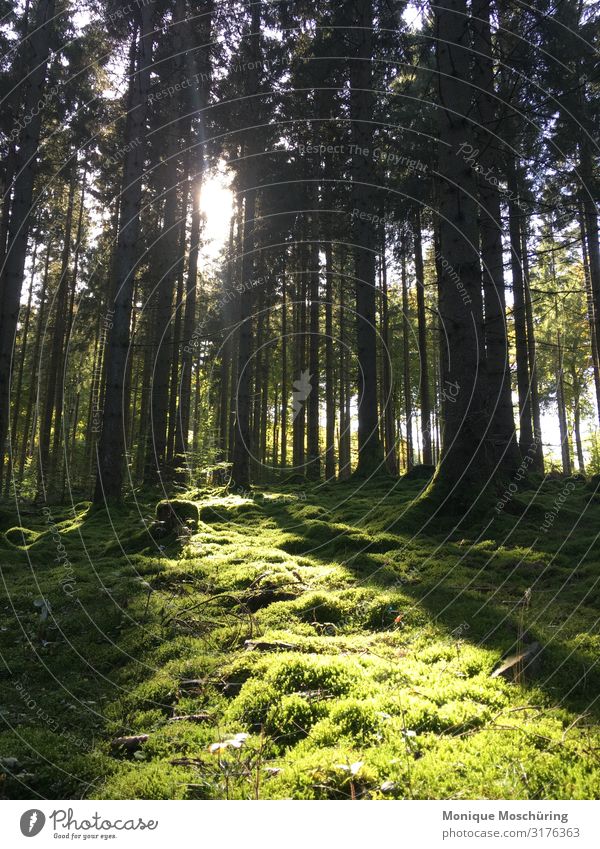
x=320, y=645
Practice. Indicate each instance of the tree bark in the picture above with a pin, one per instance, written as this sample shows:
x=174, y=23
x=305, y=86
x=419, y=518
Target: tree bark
x=526, y=436
x=408, y=410
x=111, y=448
x=329, y=372
x=499, y=401
x=466, y=455
x=20, y=216
x=423, y=355
x=362, y=104
x=240, y=471
x=53, y=387
x=313, y=460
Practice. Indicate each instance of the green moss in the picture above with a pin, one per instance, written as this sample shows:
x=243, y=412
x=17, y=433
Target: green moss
x=20, y=537
x=370, y=672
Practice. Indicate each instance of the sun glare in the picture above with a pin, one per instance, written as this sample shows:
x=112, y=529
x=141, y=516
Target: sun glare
x=216, y=205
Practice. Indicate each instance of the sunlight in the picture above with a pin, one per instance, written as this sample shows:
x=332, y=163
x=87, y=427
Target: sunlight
x=216, y=206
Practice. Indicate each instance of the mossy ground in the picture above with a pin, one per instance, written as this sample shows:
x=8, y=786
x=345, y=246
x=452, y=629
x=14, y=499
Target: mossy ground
x=367, y=674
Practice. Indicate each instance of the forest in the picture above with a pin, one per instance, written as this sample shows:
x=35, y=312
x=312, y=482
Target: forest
x=299, y=399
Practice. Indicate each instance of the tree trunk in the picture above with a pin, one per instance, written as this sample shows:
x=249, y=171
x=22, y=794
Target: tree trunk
x=313, y=460
x=591, y=312
x=167, y=261
x=362, y=103
x=577, y=420
x=423, y=356
x=408, y=411
x=526, y=436
x=329, y=373
x=465, y=452
x=502, y=436
x=112, y=443
x=388, y=402
x=590, y=217
x=53, y=387
x=240, y=471
x=538, y=462
x=562, y=407
x=14, y=435
x=21, y=208
x=345, y=459
x=284, y=369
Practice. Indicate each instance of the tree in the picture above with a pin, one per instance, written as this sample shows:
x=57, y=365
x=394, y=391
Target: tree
x=111, y=449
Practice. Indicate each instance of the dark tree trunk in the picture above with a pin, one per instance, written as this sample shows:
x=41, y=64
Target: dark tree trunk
x=408, y=411
x=362, y=104
x=54, y=388
x=423, y=355
x=523, y=366
x=502, y=435
x=240, y=471
x=14, y=430
x=176, y=347
x=538, y=448
x=167, y=262
x=329, y=372
x=300, y=371
x=562, y=407
x=345, y=459
x=313, y=462
x=591, y=310
x=22, y=196
x=284, y=369
x=590, y=217
x=577, y=420
x=388, y=401
x=198, y=101
x=465, y=453
x=111, y=449
x=27, y=445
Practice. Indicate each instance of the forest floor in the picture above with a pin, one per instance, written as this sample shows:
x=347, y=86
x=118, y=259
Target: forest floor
x=322, y=644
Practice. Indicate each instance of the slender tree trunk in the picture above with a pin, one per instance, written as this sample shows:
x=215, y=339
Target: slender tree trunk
x=590, y=310
x=54, y=389
x=258, y=385
x=423, y=356
x=240, y=470
x=112, y=443
x=329, y=373
x=23, y=354
x=577, y=421
x=590, y=216
x=345, y=458
x=362, y=103
x=177, y=342
x=22, y=196
x=562, y=407
x=198, y=100
x=538, y=462
x=236, y=317
x=300, y=372
x=408, y=410
x=264, y=399
x=167, y=262
x=523, y=366
x=389, y=407
x=284, y=369
x=313, y=462
x=29, y=429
